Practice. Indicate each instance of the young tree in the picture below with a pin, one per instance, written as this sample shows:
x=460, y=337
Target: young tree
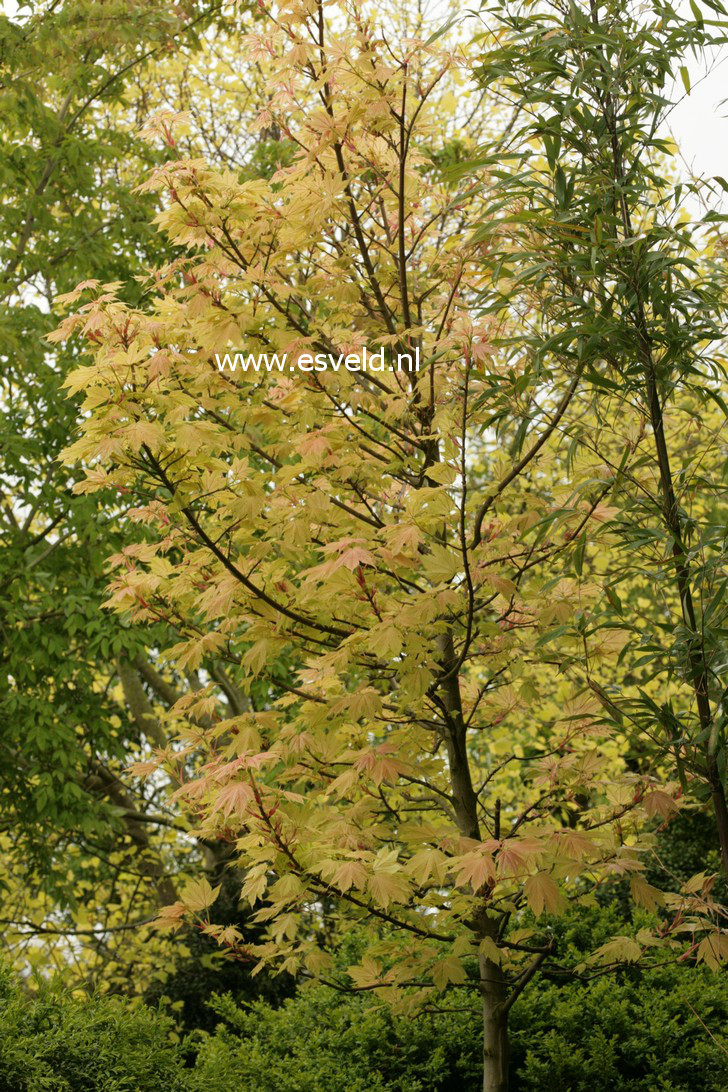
x=412, y=758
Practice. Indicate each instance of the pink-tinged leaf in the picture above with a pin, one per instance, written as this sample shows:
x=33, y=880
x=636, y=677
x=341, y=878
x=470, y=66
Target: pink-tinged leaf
x=233, y=799
x=516, y=855
x=475, y=868
x=659, y=803
x=171, y=913
x=574, y=844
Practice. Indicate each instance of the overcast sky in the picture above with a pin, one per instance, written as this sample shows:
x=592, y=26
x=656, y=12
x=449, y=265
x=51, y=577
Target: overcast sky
x=699, y=123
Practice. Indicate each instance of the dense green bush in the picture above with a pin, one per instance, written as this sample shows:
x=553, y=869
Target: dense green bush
x=659, y=1030
x=324, y=1041
x=640, y=1034
x=51, y=1042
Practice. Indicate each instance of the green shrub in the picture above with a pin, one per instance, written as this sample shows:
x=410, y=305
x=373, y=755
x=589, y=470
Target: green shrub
x=635, y=1030
x=324, y=1041
x=51, y=1042
x=641, y=1032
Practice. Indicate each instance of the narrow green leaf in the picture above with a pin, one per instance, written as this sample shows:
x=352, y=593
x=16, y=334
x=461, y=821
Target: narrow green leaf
x=442, y=30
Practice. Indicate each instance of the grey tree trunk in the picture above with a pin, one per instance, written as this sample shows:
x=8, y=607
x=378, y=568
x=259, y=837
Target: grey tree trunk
x=495, y=1027
x=493, y=985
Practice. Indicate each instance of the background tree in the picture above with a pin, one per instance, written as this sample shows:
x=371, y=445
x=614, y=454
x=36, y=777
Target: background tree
x=627, y=262
x=89, y=853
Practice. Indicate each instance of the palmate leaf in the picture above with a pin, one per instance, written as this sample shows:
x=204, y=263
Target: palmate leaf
x=543, y=894
x=448, y=971
x=387, y=887
x=199, y=895
x=620, y=950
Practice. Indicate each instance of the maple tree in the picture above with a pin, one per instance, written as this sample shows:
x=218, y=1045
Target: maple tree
x=388, y=563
